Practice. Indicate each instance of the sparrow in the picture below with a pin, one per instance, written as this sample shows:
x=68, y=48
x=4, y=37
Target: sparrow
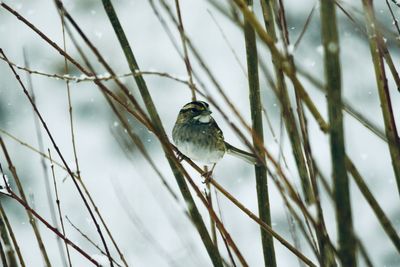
x=198, y=137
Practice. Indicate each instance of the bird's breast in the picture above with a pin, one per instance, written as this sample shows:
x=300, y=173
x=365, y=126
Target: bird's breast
x=199, y=142
x=201, y=153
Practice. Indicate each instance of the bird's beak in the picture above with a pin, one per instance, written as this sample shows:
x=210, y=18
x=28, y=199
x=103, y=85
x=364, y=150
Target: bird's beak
x=206, y=112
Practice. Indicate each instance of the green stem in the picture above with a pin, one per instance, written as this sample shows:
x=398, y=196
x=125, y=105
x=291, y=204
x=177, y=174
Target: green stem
x=194, y=213
x=258, y=141
x=377, y=53
x=330, y=40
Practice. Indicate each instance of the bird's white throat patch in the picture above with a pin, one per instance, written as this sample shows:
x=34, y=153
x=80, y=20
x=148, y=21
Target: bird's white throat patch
x=203, y=118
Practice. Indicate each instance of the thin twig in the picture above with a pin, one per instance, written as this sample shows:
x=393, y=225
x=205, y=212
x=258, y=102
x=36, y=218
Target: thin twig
x=97, y=77
x=396, y=3
x=59, y=207
x=185, y=50
x=88, y=239
x=235, y=55
x=395, y=21
x=306, y=24
x=70, y=111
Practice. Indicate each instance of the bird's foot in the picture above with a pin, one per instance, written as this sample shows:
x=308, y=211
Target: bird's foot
x=207, y=177
x=180, y=156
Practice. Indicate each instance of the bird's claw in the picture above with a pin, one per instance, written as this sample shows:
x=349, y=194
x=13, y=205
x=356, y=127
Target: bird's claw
x=207, y=177
x=180, y=156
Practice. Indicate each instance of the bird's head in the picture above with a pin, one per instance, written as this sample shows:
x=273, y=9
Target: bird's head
x=196, y=111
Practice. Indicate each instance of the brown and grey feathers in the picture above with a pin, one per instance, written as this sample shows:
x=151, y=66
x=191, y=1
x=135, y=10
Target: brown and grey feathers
x=246, y=156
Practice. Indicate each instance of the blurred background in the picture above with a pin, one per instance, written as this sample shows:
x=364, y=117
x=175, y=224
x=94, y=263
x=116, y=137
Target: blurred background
x=149, y=226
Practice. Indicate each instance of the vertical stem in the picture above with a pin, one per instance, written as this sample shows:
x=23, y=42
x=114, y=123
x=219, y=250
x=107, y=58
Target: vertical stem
x=194, y=212
x=330, y=40
x=375, y=40
x=258, y=141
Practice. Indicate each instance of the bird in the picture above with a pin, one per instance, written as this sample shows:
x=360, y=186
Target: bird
x=198, y=137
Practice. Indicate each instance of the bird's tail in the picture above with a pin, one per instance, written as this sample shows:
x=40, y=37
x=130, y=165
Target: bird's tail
x=246, y=156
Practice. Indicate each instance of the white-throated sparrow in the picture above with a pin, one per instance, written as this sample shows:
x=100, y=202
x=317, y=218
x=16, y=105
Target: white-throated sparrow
x=198, y=137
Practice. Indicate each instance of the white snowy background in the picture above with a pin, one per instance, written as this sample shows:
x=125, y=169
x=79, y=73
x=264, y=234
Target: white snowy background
x=157, y=233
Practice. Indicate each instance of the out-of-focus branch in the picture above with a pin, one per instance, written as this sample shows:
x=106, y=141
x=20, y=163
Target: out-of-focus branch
x=264, y=210
x=330, y=41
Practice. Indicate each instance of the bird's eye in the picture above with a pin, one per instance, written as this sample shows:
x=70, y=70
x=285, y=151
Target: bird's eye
x=193, y=110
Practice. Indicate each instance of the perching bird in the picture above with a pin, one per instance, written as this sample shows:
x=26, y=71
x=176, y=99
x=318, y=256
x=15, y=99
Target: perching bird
x=198, y=137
